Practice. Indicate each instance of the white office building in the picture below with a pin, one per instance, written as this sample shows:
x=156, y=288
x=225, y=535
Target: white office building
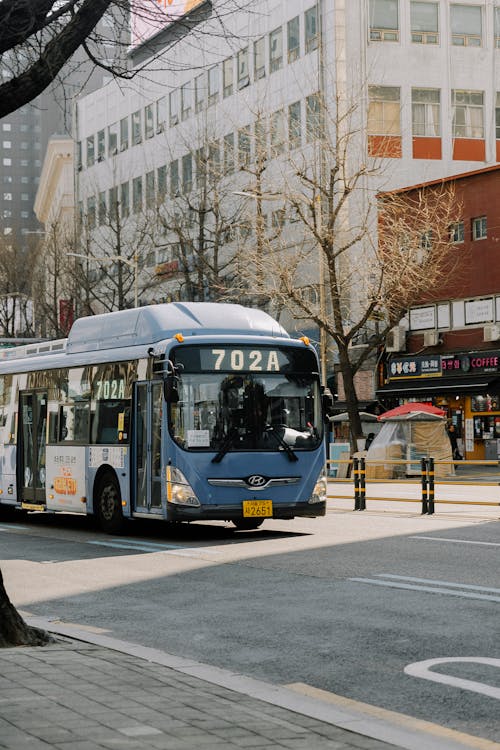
x=422, y=77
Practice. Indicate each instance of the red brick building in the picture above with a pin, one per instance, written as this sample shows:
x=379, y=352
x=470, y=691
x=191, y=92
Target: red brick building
x=447, y=350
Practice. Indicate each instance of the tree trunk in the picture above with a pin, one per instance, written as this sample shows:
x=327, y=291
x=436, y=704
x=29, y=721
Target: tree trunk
x=13, y=630
x=350, y=396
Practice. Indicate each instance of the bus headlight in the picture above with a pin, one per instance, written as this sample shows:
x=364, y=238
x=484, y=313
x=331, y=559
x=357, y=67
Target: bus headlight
x=179, y=491
x=319, y=492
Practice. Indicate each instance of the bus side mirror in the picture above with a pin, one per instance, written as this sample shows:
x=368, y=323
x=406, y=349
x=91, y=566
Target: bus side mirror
x=327, y=401
x=170, y=384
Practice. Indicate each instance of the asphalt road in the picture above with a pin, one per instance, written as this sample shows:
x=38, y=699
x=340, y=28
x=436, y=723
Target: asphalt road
x=345, y=603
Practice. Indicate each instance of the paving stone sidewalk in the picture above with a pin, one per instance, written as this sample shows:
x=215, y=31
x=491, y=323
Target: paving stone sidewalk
x=78, y=696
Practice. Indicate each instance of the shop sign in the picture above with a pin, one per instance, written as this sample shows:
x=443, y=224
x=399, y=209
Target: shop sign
x=462, y=364
x=411, y=367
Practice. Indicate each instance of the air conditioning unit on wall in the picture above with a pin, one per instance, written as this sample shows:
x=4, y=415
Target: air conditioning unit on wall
x=396, y=340
x=431, y=338
x=491, y=332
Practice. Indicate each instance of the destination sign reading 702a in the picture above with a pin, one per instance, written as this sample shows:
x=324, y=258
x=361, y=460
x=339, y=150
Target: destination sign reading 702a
x=242, y=359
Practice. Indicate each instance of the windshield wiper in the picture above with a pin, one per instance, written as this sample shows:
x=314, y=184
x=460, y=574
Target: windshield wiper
x=281, y=441
x=226, y=445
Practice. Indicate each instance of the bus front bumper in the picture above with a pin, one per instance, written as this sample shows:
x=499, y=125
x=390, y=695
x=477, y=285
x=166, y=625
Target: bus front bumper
x=235, y=511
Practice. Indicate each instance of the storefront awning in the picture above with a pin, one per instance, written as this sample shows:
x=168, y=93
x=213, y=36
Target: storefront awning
x=434, y=386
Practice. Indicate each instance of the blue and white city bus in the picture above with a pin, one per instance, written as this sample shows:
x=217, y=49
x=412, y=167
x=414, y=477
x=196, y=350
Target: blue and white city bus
x=180, y=412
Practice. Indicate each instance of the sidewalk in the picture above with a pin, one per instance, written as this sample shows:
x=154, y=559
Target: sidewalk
x=88, y=691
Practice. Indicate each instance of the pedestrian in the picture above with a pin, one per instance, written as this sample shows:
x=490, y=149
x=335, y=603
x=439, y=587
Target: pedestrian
x=369, y=440
x=452, y=434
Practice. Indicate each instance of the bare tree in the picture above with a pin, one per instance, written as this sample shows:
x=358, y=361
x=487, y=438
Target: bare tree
x=328, y=198
x=38, y=38
x=16, y=307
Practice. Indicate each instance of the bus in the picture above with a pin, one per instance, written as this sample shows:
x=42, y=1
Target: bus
x=179, y=412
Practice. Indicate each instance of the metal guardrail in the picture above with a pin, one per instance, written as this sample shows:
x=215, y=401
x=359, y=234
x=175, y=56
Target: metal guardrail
x=357, y=466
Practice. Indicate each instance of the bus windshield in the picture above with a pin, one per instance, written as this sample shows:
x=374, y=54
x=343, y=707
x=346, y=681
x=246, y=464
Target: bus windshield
x=242, y=398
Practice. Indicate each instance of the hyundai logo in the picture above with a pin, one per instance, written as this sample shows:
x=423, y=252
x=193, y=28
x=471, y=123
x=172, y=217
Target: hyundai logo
x=256, y=480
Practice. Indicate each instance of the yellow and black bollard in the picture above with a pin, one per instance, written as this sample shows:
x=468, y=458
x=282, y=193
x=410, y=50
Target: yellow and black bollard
x=362, y=483
x=430, y=476
x=356, y=475
x=425, y=496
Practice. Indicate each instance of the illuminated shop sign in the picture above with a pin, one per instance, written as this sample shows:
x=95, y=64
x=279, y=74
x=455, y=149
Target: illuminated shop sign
x=149, y=17
x=449, y=364
x=411, y=367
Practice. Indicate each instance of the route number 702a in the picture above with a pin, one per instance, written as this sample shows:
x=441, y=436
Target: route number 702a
x=254, y=360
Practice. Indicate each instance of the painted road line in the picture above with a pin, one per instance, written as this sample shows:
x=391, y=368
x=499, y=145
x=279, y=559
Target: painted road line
x=433, y=582
x=140, y=546
x=395, y=718
x=13, y=528
x=455, y=541
x=428, y=589
x=423, y=669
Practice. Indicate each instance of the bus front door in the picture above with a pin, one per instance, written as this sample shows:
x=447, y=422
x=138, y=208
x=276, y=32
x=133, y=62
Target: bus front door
x=148, y=408
x=31, y=447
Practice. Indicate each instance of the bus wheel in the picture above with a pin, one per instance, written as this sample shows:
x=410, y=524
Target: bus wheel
x=247, y=524
x=108, y=506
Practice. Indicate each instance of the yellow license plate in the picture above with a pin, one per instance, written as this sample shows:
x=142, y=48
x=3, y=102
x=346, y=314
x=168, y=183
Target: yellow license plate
x=257, y=508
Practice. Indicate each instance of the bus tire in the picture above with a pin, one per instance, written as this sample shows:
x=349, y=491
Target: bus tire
x=247, y=524
x=108, y=504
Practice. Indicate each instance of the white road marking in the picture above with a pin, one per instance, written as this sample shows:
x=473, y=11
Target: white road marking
x=422, y=669
x=13, y=528
x=455, y=541
x=430, y=589
x=142, y=546
x=449, y=584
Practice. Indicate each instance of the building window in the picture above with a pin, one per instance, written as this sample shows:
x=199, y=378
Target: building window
x=384, y=111
x=214, y=161
x=213, y=85
x=186, y=100
x=468, y=115
x=101, y=145
x=79, y=154
x=173, y=100
x=124, y=199
x=311, y=28
x=101, y=208
x=161, y=114
x=91, y=217
x=497, y=27
x=276, y=50
x=228, y=76
x=243, y=75
x=7, y=162
x=259, y=58
x=150, y=189
x=295, y=125
x=136, y=128
x=200, y=86
x=187, y=173
x=277, y=132
x=90, y=151
x=244, y=146
x=229, y=153
x=457, y=232
x=384, y=21
x=6, y=127
x=123, y=134
x=424, y=22
x=161, y=178
x=113, y=139
x=479, y=228
x=137, y=194
x=425, y=106
x=113, y=203
x=174, y=178
x=313, y=117
x=293, y=39
x=466, y=25
x=149, y=121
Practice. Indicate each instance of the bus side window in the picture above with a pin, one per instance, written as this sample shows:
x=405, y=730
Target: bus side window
x=66, y=424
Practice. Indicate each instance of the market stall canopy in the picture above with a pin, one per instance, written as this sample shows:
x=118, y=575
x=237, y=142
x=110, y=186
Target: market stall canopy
x=344, y=417
x=413, y=411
